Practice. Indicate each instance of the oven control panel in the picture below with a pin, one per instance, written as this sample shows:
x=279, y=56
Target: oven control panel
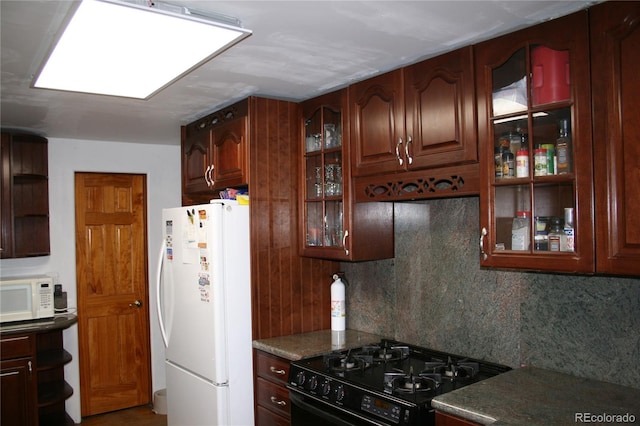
x=380, y=408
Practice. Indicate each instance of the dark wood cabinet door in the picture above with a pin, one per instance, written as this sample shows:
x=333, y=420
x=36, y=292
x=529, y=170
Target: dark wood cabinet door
x=18, y=402
x=615, y=42
x=229, y=142
x=196, y=160
x=440, y=111
x=376, y=114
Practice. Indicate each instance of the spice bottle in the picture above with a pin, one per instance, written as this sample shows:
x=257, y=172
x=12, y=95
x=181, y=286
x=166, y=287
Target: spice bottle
x=508, y=164
x=555, y=234
x=522, y=163
x=540, y=162
x=569, y=231
x=563, y=148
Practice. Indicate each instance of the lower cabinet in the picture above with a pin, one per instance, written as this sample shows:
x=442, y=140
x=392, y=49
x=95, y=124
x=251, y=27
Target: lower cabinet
x=272, y=397
x=17, y=381
x=32, y=379
x=443, y=419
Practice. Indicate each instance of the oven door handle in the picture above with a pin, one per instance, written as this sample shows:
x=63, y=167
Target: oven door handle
x=298, y=400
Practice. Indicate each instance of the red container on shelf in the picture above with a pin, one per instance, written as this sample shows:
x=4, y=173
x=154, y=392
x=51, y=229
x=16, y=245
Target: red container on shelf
x=551, y=75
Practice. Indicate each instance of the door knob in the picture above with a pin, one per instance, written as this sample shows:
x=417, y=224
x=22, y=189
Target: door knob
x=137, y=304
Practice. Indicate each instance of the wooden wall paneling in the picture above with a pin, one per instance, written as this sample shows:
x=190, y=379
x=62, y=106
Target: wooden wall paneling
x=290, y=293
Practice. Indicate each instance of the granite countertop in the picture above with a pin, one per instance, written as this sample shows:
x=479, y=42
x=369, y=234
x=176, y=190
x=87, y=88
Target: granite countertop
x=533, y=396
x=59, y=321
x=304, y=345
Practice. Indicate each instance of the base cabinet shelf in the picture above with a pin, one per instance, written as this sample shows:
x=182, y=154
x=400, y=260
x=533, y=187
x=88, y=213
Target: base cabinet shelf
x=34, y=389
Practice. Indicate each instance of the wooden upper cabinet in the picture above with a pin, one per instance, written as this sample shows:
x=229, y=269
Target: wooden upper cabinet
x=377, y=124
x=332, y=225
x=25, y=196
x=441, y=111
x=615, y=42
x=532, y=84
x=215, y=153
x=417, y=117
x=196, y=159
x=230, y=166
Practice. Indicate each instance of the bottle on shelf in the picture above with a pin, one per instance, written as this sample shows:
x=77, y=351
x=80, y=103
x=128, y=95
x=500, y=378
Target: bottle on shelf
x=569, y=231
x=556, y=234
x=520, y=235
x=522, y=162
x=563, y=148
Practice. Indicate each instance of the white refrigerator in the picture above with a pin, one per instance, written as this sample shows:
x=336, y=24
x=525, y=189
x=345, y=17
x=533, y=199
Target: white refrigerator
x=204, y=308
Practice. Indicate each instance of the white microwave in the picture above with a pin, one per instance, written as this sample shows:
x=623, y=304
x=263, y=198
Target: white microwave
x=26, y=298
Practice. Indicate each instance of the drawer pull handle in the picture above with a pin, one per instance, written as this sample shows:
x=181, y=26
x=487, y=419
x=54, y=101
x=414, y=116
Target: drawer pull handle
x=276, y=371
x=278, y=401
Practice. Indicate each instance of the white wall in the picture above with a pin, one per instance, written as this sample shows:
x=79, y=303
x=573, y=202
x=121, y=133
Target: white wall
x=161, y=164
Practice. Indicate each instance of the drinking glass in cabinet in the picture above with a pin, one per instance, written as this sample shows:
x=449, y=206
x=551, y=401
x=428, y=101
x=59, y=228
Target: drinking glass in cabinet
x=314, y=224
x=313, y=142
x=315, y=176
x=332, y=137
x=333, y=224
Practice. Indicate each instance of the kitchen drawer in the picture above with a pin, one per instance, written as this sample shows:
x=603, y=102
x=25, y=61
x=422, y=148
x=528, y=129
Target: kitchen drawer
x=273, y=397
x=269, y=418
x=16, y=347
x=272, y=368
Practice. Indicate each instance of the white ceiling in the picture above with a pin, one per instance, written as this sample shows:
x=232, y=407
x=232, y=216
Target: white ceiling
x=298, y=50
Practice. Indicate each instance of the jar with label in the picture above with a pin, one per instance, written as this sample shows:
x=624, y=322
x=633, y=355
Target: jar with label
x=541, y=239
x=540, y=162
x=569, y=231
x=522, y=163
x=497, y=154
x=556, y=234
x=508, y=165
x=551, y=158
x=520, y=231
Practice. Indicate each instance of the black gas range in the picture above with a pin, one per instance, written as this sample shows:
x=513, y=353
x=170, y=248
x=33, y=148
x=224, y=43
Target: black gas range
x=388, y=383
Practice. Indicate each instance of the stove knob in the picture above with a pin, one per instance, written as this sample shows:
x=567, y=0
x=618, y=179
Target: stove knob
x=313, y=383
x=300, y=378
x=339, y=393
x=325, y=388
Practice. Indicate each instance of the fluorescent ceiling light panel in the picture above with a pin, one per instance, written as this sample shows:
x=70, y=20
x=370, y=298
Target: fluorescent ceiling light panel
x=124, y=49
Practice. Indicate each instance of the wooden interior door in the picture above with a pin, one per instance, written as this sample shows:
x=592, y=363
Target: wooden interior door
x=113, y=314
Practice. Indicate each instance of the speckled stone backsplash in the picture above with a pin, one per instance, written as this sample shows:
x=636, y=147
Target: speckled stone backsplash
x=434, y=294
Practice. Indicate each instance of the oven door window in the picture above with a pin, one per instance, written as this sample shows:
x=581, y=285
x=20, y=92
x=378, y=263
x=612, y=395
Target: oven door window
x=307, y=412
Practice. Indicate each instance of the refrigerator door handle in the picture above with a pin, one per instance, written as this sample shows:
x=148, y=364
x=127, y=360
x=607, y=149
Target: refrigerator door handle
x=158, y=301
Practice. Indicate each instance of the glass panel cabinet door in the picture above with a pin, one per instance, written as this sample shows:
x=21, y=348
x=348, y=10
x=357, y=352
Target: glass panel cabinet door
x=323, y=172
x=537, y=192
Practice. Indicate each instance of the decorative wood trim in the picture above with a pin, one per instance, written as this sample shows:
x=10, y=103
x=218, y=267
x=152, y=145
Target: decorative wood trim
x=455, y=181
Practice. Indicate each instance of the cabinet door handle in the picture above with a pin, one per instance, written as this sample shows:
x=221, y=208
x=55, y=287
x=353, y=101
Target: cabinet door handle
x=278, y=401
x=206, y=176
x=211, y=175
x=344, y=242
x=406, y=151
x=276, y=371
x=398, y=145
x=483, y=234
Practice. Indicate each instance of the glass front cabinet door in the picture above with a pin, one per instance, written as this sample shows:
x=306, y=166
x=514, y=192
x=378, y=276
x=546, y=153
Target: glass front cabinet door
x=535, y=140
x=332, y=225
